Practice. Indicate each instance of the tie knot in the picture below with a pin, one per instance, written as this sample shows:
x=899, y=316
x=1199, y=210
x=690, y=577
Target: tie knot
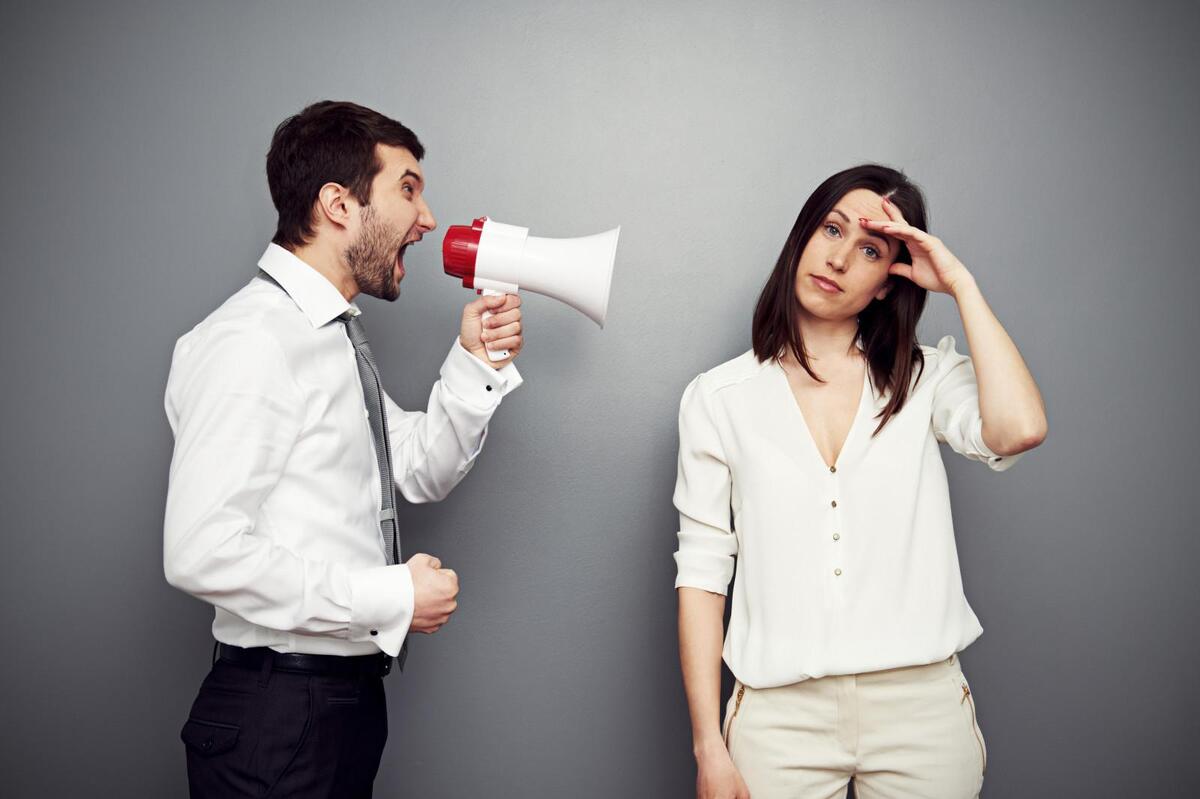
x=354, y=328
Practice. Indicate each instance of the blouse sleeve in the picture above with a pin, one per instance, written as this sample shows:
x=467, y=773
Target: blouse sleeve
x=956, y=417
x=707, y=544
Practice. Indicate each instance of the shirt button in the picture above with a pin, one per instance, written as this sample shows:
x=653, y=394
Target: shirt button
x=837, y=536
x=837, y=572
x=832, y=469
x=489, y=388
x=833, y=504
x=374, y=632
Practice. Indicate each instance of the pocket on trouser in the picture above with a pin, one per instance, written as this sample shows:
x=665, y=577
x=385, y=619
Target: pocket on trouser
x=966, y=699
x=216, y=744
x=241, y=742
x=733, y=709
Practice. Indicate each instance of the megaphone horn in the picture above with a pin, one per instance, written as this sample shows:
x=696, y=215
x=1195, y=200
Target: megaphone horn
x=495, y=258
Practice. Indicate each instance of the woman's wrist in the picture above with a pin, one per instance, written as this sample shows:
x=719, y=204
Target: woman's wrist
x=708, y=746
x=962, y=284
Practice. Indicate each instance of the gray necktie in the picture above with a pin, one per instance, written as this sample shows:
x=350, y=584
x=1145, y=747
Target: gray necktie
x=368, y=373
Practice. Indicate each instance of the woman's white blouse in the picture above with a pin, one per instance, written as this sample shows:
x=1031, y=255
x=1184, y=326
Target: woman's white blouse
x=839, y=570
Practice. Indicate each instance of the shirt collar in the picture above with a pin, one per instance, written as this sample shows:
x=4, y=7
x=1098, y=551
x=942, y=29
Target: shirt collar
x=313, y=294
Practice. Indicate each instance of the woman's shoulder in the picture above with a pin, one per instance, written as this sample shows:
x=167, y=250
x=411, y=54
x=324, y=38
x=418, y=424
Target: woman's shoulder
x=942, y=353
x=729, y=373
x=940, y=360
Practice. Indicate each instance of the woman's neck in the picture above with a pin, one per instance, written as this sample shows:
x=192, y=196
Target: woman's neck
x=829, y=340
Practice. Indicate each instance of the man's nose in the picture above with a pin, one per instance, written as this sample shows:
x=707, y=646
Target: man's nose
x=425, y=218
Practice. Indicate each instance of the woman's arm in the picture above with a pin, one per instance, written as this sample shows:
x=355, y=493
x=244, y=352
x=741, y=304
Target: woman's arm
x=1014, y=416
x=701, y=614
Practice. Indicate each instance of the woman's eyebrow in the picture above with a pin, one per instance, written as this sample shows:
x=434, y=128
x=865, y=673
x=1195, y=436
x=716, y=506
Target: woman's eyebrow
x=887, y=245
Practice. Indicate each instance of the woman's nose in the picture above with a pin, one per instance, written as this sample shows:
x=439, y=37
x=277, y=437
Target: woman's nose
x=840, y=256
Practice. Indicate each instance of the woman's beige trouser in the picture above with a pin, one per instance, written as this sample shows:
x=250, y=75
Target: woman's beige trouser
x=899, y=733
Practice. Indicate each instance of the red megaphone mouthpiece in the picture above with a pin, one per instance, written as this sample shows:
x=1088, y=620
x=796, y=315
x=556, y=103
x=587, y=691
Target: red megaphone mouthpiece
x=459, y=250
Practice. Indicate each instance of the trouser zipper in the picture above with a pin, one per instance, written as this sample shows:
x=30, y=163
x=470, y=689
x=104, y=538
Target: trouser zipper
x=737, y=705
x=966, y=697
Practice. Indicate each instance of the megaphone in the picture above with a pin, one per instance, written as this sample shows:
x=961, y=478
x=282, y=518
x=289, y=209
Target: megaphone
x=494, y=258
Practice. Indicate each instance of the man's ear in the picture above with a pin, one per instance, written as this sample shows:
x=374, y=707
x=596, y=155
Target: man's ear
x=335, y=204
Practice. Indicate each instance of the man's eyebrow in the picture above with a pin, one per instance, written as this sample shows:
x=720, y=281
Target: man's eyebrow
x=408, y=173
x=887, y=245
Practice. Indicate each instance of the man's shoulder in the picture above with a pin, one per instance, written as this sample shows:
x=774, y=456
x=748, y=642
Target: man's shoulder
x=258, y=310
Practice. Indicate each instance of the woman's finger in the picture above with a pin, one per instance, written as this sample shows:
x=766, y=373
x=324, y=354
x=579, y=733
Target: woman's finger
x=902, y=269
x=901, y=230
x=893, y=211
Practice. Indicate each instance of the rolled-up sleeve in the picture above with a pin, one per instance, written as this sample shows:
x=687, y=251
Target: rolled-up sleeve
x=707, y=543
x=956, y=418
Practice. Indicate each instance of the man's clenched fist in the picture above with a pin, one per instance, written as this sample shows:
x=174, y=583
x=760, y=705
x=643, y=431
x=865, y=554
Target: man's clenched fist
x=434, y=592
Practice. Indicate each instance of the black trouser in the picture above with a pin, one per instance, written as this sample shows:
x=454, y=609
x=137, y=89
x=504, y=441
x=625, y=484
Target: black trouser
x=263, y=731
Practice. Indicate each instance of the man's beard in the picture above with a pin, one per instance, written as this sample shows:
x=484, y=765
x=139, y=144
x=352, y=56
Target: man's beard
x=372, y=257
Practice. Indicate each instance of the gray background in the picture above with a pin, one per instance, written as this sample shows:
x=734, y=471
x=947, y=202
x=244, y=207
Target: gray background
x=1056, y=146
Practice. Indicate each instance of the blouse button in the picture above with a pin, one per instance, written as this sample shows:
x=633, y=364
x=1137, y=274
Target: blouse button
x=837, y=536
x=832, y=469
x=837, y=572
x=833, y=504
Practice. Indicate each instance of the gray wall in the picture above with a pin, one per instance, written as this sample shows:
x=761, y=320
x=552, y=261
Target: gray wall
x=1056, y=145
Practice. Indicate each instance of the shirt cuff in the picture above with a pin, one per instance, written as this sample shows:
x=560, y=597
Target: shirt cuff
x=381, y=606
x=476, y=382
x=703, y=570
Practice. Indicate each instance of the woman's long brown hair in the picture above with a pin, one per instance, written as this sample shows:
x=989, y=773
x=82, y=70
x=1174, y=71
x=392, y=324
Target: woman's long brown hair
x=888, y=327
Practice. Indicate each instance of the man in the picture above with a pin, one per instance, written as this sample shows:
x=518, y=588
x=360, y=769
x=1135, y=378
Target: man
x=280, y=507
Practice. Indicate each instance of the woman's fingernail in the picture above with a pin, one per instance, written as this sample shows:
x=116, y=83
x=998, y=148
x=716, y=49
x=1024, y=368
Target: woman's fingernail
x=862, y=220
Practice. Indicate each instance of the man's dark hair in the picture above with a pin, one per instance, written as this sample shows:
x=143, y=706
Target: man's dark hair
x=888, y=327
x=328, y=142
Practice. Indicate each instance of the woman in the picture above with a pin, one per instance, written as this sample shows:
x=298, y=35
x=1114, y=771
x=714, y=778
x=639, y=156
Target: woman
x=814, y=459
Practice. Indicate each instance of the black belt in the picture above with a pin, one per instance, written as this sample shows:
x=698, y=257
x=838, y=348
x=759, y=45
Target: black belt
x=339, y=665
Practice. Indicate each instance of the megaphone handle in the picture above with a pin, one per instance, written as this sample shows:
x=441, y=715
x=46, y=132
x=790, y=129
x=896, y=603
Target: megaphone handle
x=493, y=355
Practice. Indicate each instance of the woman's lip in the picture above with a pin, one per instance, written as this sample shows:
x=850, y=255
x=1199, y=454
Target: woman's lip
x=826, y=285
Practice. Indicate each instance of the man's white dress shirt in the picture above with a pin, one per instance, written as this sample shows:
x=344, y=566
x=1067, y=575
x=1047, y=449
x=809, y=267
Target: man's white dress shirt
x=841, y=570
x=273, y=501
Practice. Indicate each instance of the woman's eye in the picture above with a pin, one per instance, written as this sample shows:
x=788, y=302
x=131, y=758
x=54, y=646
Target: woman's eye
x=832, y=229
x=871, y=252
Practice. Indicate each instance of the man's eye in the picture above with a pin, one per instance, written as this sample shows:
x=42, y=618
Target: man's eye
x=408, y=187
